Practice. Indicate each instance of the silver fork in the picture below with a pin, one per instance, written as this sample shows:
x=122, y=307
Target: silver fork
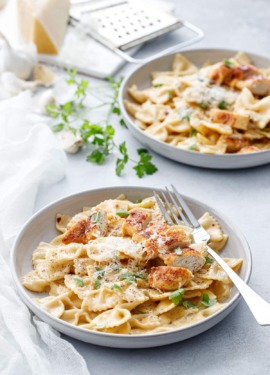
x=258, y=306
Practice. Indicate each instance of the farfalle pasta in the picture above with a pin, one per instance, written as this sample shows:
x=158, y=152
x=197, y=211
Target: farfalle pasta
x=120, y=268
x=216, y=109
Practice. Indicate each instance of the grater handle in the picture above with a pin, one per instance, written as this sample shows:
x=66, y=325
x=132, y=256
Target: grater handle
x=199, y=35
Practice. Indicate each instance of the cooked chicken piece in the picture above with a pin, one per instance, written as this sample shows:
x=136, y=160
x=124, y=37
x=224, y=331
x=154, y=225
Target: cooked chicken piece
x=158, y=239
x=258, y=85
x=169, y=278
x=233, y=143
x=188, y=258
x=164, y=235
x=240, y=76
x=230, y=118
x=136, y=221
x=86, y=229
x=219, y=73
x=246, y=150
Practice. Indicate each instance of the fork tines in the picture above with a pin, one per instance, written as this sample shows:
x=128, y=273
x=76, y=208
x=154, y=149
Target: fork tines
x=173, y=201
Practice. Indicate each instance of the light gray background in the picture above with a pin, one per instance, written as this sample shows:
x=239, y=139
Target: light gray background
x=238, y=345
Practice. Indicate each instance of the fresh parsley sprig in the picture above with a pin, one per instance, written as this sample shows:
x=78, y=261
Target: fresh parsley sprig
x=176, y=296
x=207, y=301
x=79, y=281
x=98, y=137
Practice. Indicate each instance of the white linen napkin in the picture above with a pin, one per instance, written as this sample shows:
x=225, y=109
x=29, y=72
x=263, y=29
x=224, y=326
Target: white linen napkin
x=30, y=156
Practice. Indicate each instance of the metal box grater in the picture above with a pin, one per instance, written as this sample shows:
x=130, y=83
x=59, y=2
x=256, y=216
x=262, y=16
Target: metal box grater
x=120, y=25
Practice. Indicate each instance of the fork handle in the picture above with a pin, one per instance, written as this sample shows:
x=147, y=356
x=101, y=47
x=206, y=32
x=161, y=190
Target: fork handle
x=258, y=306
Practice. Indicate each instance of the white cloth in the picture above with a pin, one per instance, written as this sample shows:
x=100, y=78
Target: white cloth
x=30, y=156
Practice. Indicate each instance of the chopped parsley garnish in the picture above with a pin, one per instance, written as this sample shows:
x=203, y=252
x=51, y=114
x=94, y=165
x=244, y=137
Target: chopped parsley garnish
x=206, y=301
x=178, y=251
x=176, y=297
x=115, y=286
x=79, y=281
x=203, y=105
x=193, y=147
x=99, y=273
x=139, y=275
x=193, y=132
x=97, y=284
x=169, y=93
x=96, y=217
x=184, y=115
x=228, y=63
x=128, y=277
x=123, y=213
x=208, y=260
x=222, y=105
x=116, y=269
x=189, y=305
x=158, y=85
x=139, y=201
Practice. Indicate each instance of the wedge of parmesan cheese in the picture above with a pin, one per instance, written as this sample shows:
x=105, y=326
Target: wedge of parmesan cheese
x=44, y=23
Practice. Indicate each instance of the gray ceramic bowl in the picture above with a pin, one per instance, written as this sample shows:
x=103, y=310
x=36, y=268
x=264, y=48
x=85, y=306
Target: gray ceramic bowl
x=141, y=78
x=41, y=227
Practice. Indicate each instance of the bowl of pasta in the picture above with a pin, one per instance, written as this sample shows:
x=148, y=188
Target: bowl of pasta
x=103, y=266
x=206, y=107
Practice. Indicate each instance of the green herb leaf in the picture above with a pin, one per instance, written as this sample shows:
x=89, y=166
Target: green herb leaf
x=130, y=279
x=189, y=305
x=115, y=286
x=58, y=128
x=96, y=217
x=203, y=105
x=117, y=269
x=176, y=297
x=206, y=301
x=116, y=110
x=97, y=284
x=228, y=63
x=138, y=201
x=72, y=76
x=222, y=105
x=99, y=273
x=53, y=110
x=158, y=85
x=144, y=165
x=169, y=93
x=121, y=162
x=79, y=281
x=208, y=260
x=193, y=147
x=193, y=132
x=184, y=115
x=122, y=123
x=139, y=275
x=96, y=157
x=123, y=213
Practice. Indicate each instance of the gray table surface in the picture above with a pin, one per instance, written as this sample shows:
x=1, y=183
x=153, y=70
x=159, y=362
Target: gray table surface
x=237, y=345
